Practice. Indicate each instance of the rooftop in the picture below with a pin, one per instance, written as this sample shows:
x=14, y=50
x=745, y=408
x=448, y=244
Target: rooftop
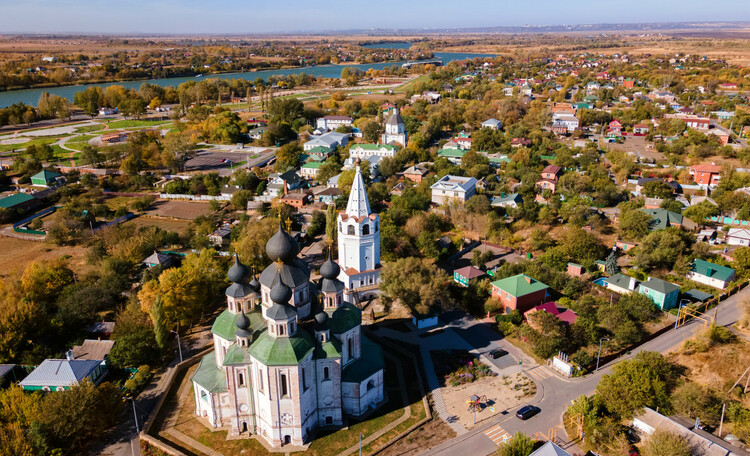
x=715, y=271
x=519, y=285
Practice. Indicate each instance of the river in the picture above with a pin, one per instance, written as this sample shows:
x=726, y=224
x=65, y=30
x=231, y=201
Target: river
x=31, y=96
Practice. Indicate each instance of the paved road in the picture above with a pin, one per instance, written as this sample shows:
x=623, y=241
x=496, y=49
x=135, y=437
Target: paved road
x=554, y=393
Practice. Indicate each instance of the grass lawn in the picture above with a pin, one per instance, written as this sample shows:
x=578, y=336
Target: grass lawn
x=405, y=87
x=89, y=128
x=36, y=142
x=136, y=123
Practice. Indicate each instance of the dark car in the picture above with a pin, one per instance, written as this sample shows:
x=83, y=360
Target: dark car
x=527, y=411
x=499, y=353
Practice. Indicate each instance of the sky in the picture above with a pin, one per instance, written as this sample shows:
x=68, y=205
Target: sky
x=280, y=16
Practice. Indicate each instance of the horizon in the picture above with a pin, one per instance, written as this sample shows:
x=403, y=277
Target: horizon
x=231, y=17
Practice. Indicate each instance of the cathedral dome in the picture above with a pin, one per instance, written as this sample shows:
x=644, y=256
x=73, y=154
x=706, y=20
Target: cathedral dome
x=281, y=246
x=254, y=284
x=242, y=321
x=238, y=273
x=321, y=318
x=280, y=293
x=330, y=270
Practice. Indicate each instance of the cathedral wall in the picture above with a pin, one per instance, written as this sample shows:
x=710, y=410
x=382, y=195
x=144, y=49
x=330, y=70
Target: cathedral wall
x=329, y=392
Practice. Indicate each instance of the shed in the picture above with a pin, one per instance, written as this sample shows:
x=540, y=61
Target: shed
x=46, y=178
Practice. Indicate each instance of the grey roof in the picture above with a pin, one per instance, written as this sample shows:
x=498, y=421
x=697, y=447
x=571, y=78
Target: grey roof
x=550, y=449
x=93, y=349
x=513, y=197
x=660, y=285
x=331, y=285
x=5, y=369
x=622, y=281
x=293, y=274
x=395, y=118
x=280, y=312
x=60, y=372
x=157, y=258
x=238, y=290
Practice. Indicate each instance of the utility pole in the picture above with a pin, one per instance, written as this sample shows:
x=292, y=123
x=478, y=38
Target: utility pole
x=179, y=347
x=721, y=423
x=598, y=357
x=360, y=443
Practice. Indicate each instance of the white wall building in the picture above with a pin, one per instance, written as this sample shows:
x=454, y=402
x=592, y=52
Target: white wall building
x=364, y=151
x=333, y=122
x=359, y=242
x=395, y=131
x=331, y=140
x=453, y=188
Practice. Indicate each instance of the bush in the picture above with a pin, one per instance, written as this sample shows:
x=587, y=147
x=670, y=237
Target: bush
x=138, y=381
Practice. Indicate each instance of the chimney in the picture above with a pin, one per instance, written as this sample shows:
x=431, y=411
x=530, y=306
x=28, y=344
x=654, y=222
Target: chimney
x=69, y=355
x=528, y=279
x=286, y=190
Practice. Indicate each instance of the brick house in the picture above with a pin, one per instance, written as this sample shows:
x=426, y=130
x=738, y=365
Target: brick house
x=519, y=292
x=706, y=174
x=550, y=174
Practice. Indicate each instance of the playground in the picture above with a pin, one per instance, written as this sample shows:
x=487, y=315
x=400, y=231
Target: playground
x=486, y=397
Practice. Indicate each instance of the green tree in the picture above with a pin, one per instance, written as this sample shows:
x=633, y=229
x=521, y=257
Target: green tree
x=643, y=381
x=178, y=149
x=132, y=107
x=285, y=110
x=371, y=131
x=701, y=211
x=288, y=156
x=661, y=249
x=157, y=319
x=518, y=445
x=89, y=100
x=240, y=198
x=657, y=189
x=665, y=443
x=420, y=285
x=634, y=224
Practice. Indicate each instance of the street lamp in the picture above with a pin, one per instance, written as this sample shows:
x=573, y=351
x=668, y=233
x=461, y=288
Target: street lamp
x=137, y=430
x=600, y=352
x=360, y=443
x=179, y=347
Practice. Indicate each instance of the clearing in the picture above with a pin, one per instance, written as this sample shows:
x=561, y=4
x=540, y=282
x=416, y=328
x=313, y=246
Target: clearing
x=187, y=210
x=17, y=254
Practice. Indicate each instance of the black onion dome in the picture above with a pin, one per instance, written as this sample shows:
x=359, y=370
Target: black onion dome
x=254, y=284
x=330, y=270
x=281, y=246
x=242, y=321
x=321, y=317
x=238, y=273
x=280, y=293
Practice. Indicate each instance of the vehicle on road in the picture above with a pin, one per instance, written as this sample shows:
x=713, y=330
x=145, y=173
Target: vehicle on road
x=527, y=411
x=499, y=353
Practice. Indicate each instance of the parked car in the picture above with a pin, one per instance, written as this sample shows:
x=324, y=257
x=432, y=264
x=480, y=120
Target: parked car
x=527, y=411
x=499, y=353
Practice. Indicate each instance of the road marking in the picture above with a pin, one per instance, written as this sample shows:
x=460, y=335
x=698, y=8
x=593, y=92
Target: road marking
x=498, y=435
x=539, y=373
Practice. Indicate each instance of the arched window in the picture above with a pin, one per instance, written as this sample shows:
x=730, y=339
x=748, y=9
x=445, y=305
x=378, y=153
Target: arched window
x=350, y=229
x=350, y=347
x=240, y=379
x=370, y=385
x=326, y=373
x=365, y=229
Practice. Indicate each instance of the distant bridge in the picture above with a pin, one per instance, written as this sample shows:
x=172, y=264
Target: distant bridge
x=436, y=62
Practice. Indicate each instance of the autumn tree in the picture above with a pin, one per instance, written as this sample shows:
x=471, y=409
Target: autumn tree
x=251, y=242
x=665, y=443
x=420, y=285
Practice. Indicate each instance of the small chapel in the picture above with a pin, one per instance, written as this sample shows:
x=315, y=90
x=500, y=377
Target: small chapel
x=289, y=356
x=395, y=130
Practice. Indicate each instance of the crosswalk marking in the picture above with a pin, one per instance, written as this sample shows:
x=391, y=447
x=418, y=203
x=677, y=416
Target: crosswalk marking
x=498, y=435
x=539, y=373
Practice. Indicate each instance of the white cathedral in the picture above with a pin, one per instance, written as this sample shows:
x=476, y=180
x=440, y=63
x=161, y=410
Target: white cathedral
x=359, y=242
x=278, y=374
x=395, y=130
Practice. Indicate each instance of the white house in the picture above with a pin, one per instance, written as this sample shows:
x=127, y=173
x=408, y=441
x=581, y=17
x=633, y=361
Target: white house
x=713, y=275
x=364, y=151
x=331, y=140
x=622, y=284
x=310, y=169
x=568, y=121
x=395, y=130
x=738, y=236
x=492, y=124
x=328, y=123
x=453, y=188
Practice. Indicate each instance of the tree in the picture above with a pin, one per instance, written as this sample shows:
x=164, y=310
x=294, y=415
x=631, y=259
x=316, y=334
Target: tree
x=251, y=242
x=657, y=189
x=665, y=443
x=634, y=224
x=178, y=148
x=371, y=131
x=331, y=215
x=643, y=381
x=701, y=211
x=240, y=198
x=420, y=285
x=285, y=110
x=89, y=100
x=697, y=401
x=157, y=319
x=132, y=107
x=288, y=156
x=661, y=249
x=90, y=155
x=519, y=445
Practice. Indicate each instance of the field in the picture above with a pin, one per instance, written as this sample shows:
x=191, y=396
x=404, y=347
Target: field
x=134, y=123
x=186, y=210
x=178, y=226
x=17, y=254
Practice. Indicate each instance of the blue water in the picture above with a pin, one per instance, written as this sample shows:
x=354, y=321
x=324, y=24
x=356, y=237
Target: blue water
x=390, y=45
x=31, y=96
x=601, y=281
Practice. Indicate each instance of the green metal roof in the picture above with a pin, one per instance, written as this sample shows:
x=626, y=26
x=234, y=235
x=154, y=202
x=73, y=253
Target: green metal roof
x=225, y=324
x=237, y=355
x=320, y=150
x=45, y=175
x=344, y=318
x=712, y=270
x=369, y=362
x=282, y=351
x=659, y=285
x=14, y=200
x=662, y=218
x=209, y=375
x=313, y=165
x=330, y=349
x=452, y=153
x=519, y=285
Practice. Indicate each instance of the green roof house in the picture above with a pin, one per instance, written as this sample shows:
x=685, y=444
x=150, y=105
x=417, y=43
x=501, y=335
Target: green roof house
x=310, y=169
x=711, y=274
x=466, y=274
x=519, y=292
x=19, y=201
x=453, y=155
x=45, y=178
x=662, y=218
x=664, y=294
